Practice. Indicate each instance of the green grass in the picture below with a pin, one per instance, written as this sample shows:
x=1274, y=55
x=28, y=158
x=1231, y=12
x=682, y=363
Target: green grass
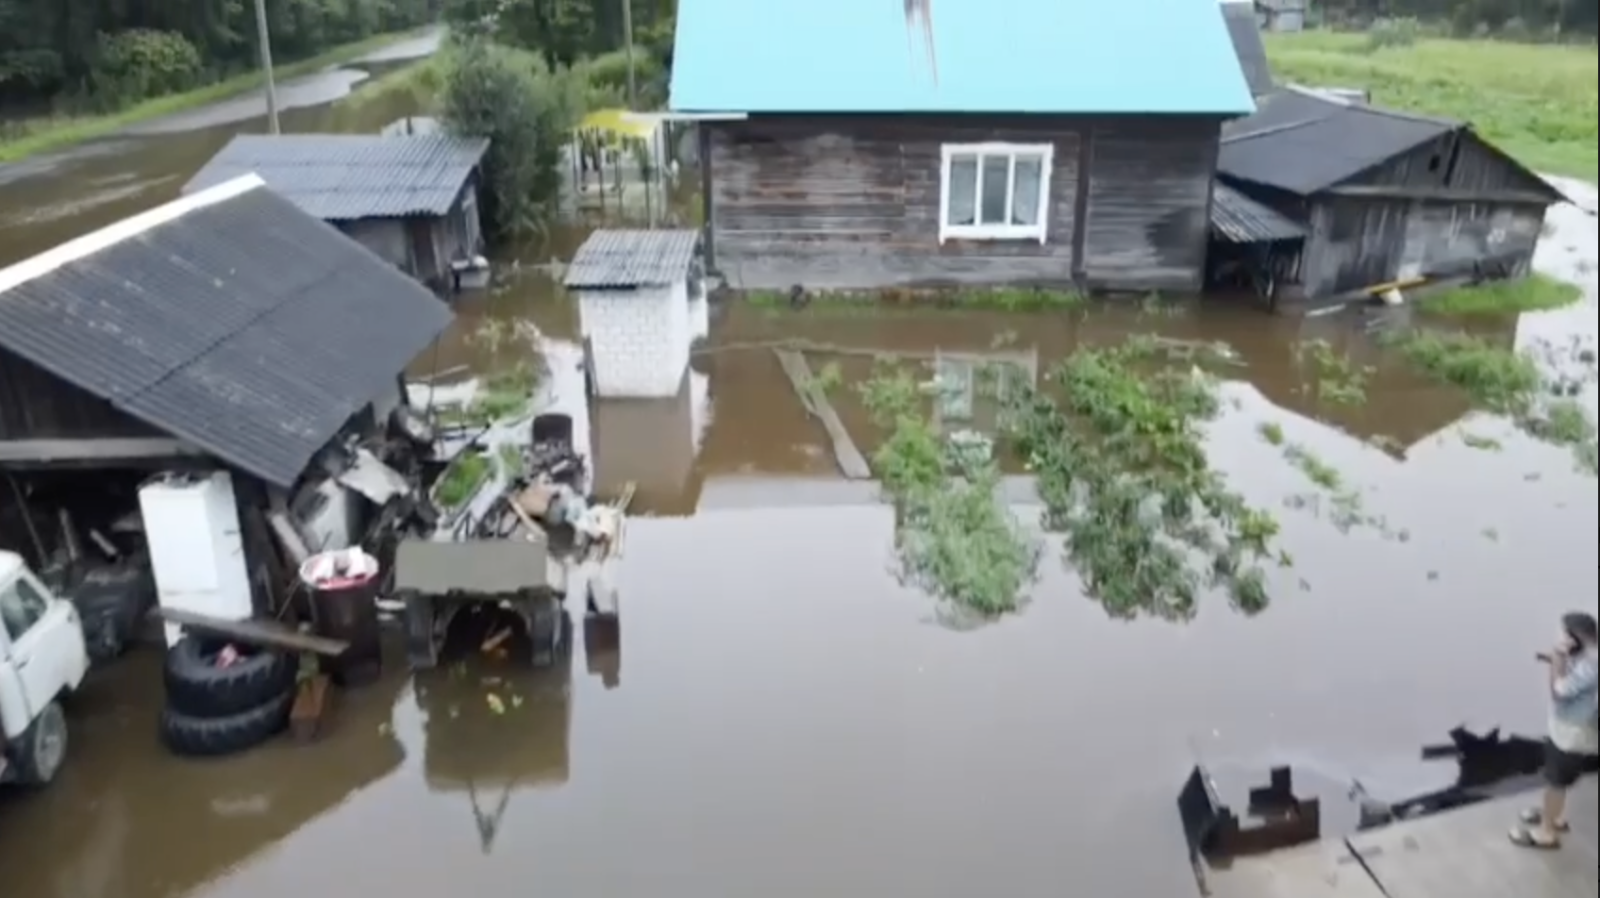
x=1530, y=294
x=31, y=137
x=461, y=481
x=1537, y=102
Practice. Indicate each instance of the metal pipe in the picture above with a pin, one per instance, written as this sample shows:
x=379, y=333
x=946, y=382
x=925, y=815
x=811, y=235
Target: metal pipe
x=264, y=40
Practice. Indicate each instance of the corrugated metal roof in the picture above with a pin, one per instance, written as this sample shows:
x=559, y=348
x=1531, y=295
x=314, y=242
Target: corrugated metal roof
x=622, y=259
x=340, y=177
x=236, y=323
x=956, y=56
x=1237, y=218
x=1303, y=143
x=1243, y=29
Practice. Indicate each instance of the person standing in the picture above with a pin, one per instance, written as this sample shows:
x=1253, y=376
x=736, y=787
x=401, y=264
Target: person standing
x=1574, y=671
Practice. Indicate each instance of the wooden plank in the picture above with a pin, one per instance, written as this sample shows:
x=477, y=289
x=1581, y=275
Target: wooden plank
x=1465, y=854
x=269, y=633
x=850, y=460
x=1319, y=870
x=312, y=702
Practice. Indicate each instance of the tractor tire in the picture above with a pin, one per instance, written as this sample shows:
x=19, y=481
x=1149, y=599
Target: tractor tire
x=210, y=737
x=198, y=687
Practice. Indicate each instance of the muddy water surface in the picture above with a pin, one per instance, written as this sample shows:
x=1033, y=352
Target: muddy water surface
x=790, y=721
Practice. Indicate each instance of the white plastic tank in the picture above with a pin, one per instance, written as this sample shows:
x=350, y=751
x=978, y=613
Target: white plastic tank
x=191, y=521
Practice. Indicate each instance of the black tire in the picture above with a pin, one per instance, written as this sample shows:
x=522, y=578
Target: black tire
x=42, y=748
x=196, y=687
x=209, y=737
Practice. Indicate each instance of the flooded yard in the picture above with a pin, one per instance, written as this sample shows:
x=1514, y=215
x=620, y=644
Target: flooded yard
x=790, y=719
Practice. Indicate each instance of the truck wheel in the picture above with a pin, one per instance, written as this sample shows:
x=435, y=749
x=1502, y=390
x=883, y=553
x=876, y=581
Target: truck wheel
x=199, y=687
x=197, y=737
x=43, y=747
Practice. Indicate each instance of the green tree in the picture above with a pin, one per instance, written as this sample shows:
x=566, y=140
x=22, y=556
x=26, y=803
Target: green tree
x=526, y=111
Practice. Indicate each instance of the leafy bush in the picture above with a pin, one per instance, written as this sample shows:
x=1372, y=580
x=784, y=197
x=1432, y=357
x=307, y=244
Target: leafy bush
x=141, y=63
x=526, y=111
x=1386, y=33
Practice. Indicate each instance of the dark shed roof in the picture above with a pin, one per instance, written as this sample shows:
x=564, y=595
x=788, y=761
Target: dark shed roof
x=229, y=319
x=1301, y=142
x=624, y=259
x=1247, y=45
x=341, y=177
x=1237, y=218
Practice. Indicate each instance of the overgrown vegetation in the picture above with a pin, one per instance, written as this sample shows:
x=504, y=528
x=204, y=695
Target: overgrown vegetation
x=1537, y=102
x=1531, y=294
x=1330, y=375
x=997, y=299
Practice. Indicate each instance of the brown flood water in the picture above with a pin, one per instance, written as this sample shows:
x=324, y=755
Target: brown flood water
x=791, y=722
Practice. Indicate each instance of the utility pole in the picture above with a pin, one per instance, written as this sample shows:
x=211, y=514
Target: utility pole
x=627, y=38
x=265, y=41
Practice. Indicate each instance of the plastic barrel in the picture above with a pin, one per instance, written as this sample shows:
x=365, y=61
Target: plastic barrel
x=344, y=589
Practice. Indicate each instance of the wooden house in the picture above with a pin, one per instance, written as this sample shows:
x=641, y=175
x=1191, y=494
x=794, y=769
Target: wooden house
x=1381, y=197
x=411, y=198
x=1063, y=143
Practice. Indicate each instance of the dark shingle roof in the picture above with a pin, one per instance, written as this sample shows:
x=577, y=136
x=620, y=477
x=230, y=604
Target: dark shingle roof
x=1247, y=45
x=1237, y=218
x=229, y=319
x=1304, y=143
x=622, y=259
x=340, y=177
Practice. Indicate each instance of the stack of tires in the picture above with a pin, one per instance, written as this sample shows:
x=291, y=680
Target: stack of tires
x=223, y=697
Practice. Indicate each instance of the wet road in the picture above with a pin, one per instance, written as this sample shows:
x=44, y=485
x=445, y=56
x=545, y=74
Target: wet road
x=791, y=722
x=51, y=199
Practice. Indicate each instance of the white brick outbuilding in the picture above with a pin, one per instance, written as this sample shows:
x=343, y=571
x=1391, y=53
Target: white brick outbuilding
x=640, y=306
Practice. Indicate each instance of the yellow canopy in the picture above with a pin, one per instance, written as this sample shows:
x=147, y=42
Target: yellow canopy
x=619, y=122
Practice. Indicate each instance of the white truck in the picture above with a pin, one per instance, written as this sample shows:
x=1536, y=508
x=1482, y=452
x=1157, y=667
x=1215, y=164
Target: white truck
x=42, y=659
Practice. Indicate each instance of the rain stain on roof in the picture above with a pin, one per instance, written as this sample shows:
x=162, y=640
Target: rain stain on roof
x=919, y=18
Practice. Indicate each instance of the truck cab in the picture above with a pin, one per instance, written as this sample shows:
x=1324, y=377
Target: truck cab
x=42, y=659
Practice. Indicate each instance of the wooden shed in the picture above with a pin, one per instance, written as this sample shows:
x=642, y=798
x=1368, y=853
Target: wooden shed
x=845, y=149
x=1384, y=197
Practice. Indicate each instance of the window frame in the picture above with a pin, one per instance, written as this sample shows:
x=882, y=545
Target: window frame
x=25, y=594
x=1037, y=232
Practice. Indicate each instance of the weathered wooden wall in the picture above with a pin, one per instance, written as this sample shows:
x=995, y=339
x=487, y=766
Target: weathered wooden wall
x=1149, y=203
x=854, y=203
x=37, y=405
x=1358, y=242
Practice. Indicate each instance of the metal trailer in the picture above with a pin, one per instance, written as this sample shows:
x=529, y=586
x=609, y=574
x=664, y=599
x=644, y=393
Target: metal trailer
x=437, y=579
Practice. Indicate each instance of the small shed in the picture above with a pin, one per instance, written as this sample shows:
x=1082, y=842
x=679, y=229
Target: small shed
x=637, y=292
x=1281, y=15
x=1385, y=198
x=413, y=200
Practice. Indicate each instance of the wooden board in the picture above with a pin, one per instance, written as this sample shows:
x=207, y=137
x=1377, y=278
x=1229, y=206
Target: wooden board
x=1320, y=870
x=256, y=632
x=852, y=464
x=1465, y=854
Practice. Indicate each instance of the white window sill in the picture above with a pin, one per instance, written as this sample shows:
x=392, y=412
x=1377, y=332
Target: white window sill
x=992, y=233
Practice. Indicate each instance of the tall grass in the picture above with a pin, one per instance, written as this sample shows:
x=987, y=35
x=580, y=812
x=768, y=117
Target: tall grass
x=1537, y=102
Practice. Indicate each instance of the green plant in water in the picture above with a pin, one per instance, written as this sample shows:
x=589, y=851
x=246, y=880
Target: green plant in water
x=1123, y=473
x=956, y=538
x=1335, y=379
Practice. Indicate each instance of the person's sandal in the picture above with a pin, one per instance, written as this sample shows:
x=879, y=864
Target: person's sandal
x=1523, y=837
x=1535, y=817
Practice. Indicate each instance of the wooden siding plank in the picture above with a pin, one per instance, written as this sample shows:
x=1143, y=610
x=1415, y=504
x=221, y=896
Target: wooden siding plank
x=1147, y=214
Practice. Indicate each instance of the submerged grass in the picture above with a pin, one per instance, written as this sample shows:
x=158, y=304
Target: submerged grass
x=1531, y=294
x=872, y=302
x=1507, y=383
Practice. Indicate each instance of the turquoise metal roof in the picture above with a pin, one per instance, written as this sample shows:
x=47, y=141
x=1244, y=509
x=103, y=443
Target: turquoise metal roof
x=1025, y=56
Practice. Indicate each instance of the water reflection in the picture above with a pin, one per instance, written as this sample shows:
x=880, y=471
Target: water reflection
x=495, y=732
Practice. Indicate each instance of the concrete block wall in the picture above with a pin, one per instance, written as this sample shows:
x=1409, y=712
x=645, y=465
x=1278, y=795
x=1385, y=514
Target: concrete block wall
x=640, y=338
